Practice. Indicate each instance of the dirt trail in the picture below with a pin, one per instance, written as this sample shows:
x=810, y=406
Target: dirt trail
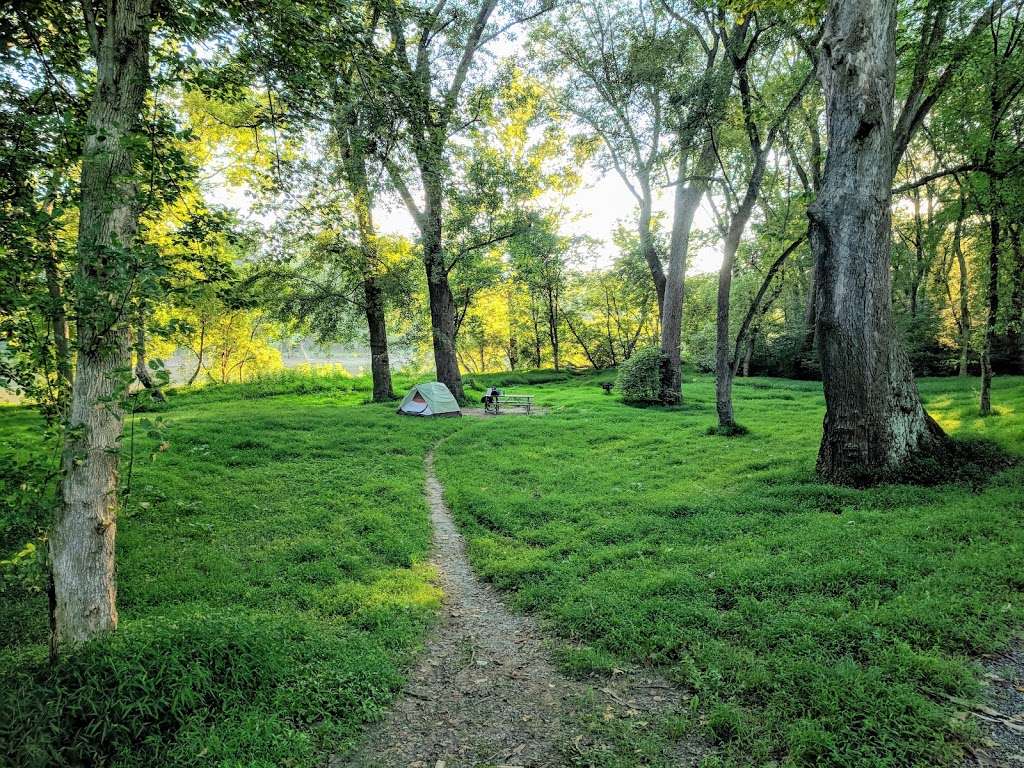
x=485, y=691
x=1002, y=717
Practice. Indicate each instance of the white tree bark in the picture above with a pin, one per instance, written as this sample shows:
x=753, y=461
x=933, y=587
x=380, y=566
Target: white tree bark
x=82, y=539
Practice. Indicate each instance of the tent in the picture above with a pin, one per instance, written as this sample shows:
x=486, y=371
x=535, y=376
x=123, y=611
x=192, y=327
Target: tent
x=431, y=398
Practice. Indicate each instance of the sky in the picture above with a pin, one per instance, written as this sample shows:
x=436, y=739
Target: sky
x=600, y=204
x=595, y=209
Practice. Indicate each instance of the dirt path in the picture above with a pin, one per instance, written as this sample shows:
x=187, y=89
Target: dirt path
x=1002, y=718
x=485, y=691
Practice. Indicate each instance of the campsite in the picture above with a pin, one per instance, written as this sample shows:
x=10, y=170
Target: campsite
x=511, y=384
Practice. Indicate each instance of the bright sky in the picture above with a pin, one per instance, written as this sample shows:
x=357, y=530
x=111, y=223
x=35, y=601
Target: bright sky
x=596, y=209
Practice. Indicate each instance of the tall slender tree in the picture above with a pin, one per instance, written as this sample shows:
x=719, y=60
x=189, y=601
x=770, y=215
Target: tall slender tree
x=82, y=538
x=432, y=55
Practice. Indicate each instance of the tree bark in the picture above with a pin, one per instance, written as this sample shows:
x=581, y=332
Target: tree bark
x=647, y=247
x=760, y=150
x=442, y=303
x=965, y=290
x=380, y=364
x=354, y=145
x=995, y=238
x=874, y=420
x=82, y=540
x=687, y=200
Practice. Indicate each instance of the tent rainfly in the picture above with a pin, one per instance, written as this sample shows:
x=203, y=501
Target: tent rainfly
x=430, y=398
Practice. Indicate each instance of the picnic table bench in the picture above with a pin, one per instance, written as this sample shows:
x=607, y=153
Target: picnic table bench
x=494, y=404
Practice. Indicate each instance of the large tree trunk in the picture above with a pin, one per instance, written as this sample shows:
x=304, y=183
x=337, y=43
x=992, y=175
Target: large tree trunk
x=82, y=540
x=442, y=303
x=354, y=145
x=687, y=200
x=874, y=420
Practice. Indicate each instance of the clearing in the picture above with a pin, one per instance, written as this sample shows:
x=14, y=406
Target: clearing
x=276, y=584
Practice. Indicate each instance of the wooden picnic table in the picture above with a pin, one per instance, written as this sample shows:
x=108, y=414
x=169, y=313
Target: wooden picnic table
x=510, y=401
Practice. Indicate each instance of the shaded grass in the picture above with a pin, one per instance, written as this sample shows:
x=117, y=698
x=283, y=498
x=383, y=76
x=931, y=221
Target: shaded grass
x=818, y=625
x=272, y=586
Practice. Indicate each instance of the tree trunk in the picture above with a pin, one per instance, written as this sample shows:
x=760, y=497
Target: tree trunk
x=82, y=540
x=807, y=343
x=723, y=349
x=513, y=341
x=874, y=420
x=755, y=310
x=553, y=325
x=995, y=238
x=965, y=291
x=199, y=354
x=647, y=247
x=535, y=318
x=141, y=360
x=749, y=354
x=354, y=146
x=380, y=364
x=723, y=358
x=442, y=303
x=687, y=200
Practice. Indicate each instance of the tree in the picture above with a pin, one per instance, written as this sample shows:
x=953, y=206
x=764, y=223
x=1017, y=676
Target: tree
x=699, y=102
x=874, y=420
x=613, y=61
x=432, y=54
x=741, y=47
x=82, y=539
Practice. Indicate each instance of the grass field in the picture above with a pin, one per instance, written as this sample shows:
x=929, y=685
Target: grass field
x=272, y=584
x=817, y=625
x=272, y=587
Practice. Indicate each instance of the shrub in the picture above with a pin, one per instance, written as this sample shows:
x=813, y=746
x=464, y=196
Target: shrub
x=134, y=692
x=640, y=376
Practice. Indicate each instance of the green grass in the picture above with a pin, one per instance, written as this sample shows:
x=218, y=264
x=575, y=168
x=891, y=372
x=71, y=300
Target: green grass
x=273, y=585
x=817, y=625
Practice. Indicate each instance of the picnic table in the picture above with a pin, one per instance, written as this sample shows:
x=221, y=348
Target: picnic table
x=494, y=403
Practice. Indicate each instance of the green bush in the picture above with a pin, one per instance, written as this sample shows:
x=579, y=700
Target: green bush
x=640, y=376
x=135, y=692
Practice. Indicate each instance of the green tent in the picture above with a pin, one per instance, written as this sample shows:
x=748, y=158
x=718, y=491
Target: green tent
x=430, y=398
